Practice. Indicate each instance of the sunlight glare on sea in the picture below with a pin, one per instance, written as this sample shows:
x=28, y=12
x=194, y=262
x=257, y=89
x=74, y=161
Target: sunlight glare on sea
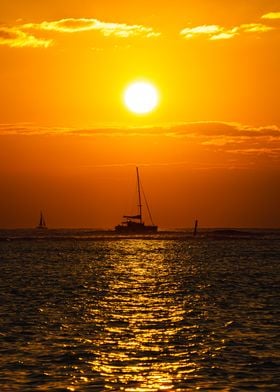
x=139, y=315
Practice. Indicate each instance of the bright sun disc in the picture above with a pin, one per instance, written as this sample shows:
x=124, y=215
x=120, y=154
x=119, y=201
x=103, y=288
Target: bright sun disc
x=141, y=97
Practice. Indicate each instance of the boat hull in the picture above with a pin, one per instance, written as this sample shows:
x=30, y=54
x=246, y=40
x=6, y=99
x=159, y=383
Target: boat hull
x=134, y=227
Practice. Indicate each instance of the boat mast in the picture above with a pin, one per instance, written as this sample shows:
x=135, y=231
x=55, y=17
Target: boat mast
x=195, y=228
x=139, y=195
x=41, y=219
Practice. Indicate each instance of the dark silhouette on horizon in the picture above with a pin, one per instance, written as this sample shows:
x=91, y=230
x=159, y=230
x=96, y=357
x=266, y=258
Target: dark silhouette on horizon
x=134, y=223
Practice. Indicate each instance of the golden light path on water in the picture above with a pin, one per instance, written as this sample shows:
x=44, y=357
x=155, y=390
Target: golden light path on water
x=141, y=320
x=142, y=346
x=141, y=315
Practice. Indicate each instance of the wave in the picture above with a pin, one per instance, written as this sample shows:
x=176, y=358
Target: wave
x=99, y=235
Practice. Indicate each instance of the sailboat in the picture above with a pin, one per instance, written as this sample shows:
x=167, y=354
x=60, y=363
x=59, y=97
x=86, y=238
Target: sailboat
x=134, y=223
x=42, y=222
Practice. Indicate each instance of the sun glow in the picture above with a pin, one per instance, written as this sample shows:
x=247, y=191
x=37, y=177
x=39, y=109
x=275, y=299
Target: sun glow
x=141, y=97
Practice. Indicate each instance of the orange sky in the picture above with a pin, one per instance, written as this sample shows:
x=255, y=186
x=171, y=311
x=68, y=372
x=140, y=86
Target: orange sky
x=68, y=145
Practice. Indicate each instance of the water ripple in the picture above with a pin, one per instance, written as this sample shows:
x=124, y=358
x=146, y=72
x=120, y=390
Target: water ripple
x=139, y=315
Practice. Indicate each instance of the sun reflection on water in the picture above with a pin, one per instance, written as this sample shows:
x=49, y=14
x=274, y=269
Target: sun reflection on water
x=141, y=320
x=139, y=315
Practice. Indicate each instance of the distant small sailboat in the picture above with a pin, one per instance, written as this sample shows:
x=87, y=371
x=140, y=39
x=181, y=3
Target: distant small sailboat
x=134, y=223
x=42, y=222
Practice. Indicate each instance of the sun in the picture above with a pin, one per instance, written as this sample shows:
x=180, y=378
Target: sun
x=141, y=97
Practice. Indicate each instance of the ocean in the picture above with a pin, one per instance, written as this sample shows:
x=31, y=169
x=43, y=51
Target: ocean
x=86, y=311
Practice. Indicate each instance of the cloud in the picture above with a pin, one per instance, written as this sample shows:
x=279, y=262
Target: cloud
x=255, y=28
x=16, y=38
x=200, y=145
x=72, y=25
x=26, y=35
x=209, y=30
x=216, y=32
x=212, y=32
x=211, y=137
x=207, y=130
x=271, y=15
x=223, y=35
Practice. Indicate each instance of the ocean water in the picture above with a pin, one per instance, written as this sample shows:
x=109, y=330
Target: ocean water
x=81, y=311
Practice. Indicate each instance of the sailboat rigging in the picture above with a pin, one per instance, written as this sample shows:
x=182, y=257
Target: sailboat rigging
x=135, y=223
x=42, y=222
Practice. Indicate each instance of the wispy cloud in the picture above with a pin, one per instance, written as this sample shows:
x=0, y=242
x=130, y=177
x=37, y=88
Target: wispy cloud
x=200, y=145
x=14, y=37
x=271, y=15
x=233, y=138
x=224, y=129
x=216, y=32
x=72, y=25
x=32, y=34
x=209, y=31
x=223, y=35
x=255, y=28
x=210, y=130
x=228, y=138
x=45, y=33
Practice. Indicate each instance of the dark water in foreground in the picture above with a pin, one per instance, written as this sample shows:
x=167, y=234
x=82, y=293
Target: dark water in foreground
x=161, y=314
